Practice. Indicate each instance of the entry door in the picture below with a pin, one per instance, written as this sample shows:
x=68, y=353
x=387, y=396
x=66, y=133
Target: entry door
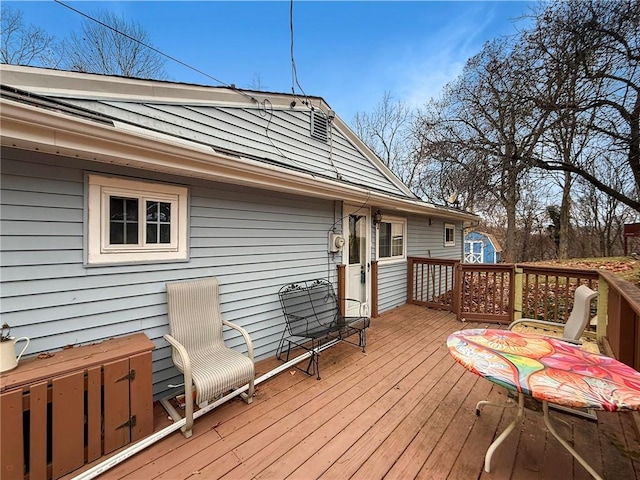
x=357, y=259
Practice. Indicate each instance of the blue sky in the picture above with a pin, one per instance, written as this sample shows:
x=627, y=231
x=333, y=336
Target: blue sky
x=349, y=53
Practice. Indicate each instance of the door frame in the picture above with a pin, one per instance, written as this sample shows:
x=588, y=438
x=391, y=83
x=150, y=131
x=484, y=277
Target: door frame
x=348, y=210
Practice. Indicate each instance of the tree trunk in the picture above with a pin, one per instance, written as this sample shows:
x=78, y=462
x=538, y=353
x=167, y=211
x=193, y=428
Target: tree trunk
x=565, y=218
x=510, y=202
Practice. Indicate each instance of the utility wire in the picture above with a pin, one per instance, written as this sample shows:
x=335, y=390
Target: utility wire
x=265, y=107
x=294, y=71
x=153, y=49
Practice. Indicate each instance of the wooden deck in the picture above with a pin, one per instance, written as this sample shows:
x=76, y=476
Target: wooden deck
x=403, y=410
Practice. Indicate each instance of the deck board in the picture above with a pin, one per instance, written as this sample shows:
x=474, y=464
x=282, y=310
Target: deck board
x=402, y=410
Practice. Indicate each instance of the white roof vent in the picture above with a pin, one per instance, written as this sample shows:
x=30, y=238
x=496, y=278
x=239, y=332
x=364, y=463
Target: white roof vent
x=319, y=125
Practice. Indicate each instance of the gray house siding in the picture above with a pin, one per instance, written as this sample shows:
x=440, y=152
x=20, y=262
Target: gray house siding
x=424, y=240
x=253, y=241
x=274, y=135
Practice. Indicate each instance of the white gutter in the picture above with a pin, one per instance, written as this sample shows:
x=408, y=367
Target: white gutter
x=159, y=435
x=28, y=127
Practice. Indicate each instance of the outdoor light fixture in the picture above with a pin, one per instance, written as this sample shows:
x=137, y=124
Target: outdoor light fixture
x=377, y=217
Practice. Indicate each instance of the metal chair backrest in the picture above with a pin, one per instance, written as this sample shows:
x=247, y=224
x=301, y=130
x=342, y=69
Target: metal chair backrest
x=310, y=307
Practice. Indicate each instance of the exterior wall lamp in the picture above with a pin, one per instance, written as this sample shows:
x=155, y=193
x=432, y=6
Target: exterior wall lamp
x=377, y=217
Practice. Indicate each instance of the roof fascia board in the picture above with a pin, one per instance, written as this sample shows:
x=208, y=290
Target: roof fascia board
x=31, y=128
x=65, y=84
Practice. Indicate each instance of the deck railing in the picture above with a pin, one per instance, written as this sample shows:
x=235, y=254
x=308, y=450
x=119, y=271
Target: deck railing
x=547, y=292
x=486, y=293
x=501, y=293
x=431, y=283
x=619, y=320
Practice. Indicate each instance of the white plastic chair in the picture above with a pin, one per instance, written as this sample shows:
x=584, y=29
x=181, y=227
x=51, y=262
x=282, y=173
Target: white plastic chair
x=198, y=348
x=578, y=319
x=573, y=328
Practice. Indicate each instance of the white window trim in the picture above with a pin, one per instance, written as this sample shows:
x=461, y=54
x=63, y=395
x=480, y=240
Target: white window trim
x=397, y=258
x=452, y=227
x=99, y=251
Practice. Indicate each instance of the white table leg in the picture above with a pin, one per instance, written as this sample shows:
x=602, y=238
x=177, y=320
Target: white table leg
x=496, y=443
x=508, y=404
x=563, y=442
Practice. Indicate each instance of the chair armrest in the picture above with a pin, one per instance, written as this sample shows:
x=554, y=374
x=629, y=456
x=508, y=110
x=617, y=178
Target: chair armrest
x=245, y=334
x=533, y=320
x=182, y=352
x=362, y=304
x=188, y=381
x=545, y=323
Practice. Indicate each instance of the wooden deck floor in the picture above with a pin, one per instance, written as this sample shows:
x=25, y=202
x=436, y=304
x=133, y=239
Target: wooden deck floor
x=403, y=410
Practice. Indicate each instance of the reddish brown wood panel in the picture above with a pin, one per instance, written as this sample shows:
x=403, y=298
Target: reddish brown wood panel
x=38, y=430
x=68, y=423
x=141, y=396
x=342, y=285
x=32, y=370
x=94, y=413
x=11, y=436
x=374, y=289
x=116, y=405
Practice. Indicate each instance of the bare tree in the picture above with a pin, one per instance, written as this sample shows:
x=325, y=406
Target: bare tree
x=448, y=169
x=113, y=45
x=24, y=44
x=488, y=121
x=601, y=217
x=598, y=41
x=387, y=131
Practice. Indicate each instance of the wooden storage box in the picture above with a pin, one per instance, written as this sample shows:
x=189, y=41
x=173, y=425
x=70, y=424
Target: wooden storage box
x=58, y=413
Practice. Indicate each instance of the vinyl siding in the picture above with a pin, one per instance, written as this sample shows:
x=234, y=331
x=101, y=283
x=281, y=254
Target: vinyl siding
x=424, y=240
x=274, y=136
x=252, y=241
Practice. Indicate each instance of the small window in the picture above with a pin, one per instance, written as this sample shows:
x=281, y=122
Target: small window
x=392, y=239
x=133, y=221
x=449, y=235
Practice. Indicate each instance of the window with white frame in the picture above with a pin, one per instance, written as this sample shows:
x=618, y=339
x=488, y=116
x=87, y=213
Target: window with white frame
x=134, y=221
x=392, y=233
x=449, y=235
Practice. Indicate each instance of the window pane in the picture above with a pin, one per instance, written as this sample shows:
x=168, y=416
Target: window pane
x=123, y=223
x=131, y=211
x=165, y=212
x=384, y=237
x=116, y=233
x=152, y=211
x=158, y=222
x=357, y=238
x=397, y=240
x=397, y=246
x=152, y=233
x=131, y=233
x=165, y=233
x=116, y=208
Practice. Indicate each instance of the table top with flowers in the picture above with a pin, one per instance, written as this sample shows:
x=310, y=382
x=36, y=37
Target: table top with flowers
x=547, y=369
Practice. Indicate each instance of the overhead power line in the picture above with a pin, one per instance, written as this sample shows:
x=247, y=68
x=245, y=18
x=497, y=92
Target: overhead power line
x=160, y=52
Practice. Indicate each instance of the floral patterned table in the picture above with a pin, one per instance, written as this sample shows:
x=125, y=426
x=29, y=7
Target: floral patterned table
x=547, y=369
